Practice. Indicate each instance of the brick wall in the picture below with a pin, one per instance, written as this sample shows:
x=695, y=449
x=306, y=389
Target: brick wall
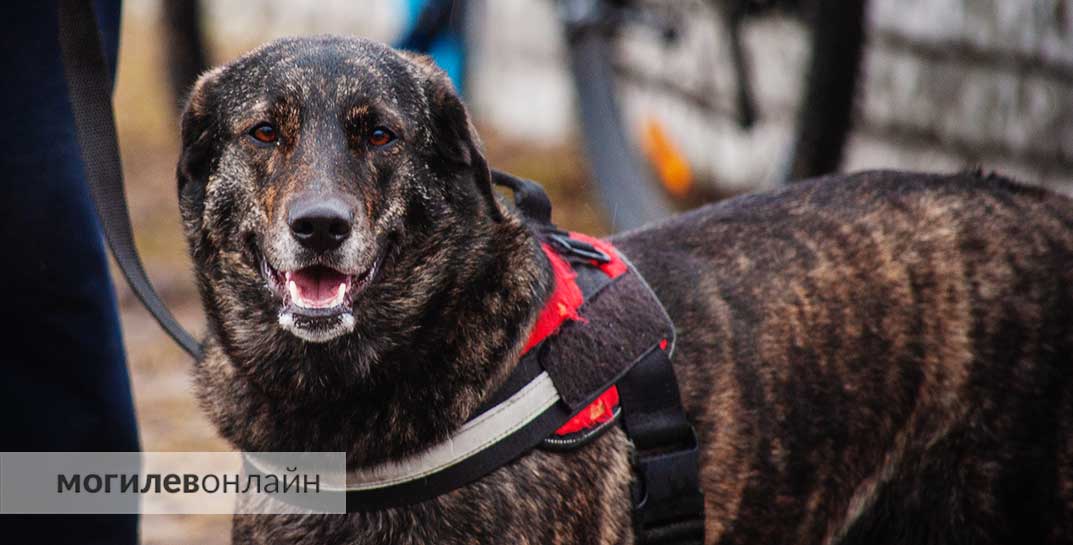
x=965, y=81
x=948, y=84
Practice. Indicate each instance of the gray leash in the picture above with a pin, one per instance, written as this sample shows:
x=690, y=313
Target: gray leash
x=90, y=86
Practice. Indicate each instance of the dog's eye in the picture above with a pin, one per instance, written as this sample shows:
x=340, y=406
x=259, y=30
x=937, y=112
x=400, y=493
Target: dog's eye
x=381, y=137
x=265, y=133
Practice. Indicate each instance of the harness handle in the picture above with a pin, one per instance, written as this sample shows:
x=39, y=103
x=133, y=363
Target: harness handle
x=529, y=197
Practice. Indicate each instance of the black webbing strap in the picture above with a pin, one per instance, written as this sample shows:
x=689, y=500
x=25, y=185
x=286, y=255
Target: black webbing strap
x=668, y=503
x=490, y=459
x=89, y=84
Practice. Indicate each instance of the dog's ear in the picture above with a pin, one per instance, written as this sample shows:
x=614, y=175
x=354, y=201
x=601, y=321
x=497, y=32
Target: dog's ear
x=454, y=137
x=198, y=137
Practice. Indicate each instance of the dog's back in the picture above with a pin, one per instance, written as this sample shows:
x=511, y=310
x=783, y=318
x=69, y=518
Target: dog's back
x=879, y=358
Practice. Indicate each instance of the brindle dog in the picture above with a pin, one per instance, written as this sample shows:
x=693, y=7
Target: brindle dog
x=879, y=358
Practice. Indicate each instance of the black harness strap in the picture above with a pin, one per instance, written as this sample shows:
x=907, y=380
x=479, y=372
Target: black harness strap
x=461, y=474
x=90, y=87
x=668, y=503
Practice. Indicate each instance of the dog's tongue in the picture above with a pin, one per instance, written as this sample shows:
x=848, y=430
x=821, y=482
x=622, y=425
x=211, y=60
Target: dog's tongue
x=316, y=287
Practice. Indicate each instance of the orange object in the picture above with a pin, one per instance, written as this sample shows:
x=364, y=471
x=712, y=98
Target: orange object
x=669, y=162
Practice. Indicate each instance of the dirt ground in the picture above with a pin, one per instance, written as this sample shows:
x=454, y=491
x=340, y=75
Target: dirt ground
x=168, y=415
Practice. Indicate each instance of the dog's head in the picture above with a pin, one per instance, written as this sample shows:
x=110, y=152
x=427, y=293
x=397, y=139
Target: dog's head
x=333, y=191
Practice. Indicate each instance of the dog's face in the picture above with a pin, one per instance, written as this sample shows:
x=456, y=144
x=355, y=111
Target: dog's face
x=325, y=186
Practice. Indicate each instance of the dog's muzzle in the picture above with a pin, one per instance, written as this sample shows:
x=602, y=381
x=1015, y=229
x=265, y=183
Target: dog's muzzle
x=316, y=302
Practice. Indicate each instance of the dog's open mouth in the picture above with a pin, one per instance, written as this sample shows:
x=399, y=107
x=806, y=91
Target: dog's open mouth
x=317, y=301
x=317, y=287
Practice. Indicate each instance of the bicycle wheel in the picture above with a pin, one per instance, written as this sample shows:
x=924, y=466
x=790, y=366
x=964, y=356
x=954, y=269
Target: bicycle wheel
x=714, y=97
x=627, y=189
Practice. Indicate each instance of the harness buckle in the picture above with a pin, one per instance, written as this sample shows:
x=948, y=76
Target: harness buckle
x=578, y=248
x=668, y=504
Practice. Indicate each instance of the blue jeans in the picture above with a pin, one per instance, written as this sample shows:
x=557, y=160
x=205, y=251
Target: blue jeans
x=64, y=384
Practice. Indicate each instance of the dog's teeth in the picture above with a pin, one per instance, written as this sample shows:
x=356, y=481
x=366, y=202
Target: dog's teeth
x=292, y=289
x=338, y=298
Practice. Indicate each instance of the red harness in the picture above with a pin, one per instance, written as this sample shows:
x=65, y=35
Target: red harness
x=563, y=305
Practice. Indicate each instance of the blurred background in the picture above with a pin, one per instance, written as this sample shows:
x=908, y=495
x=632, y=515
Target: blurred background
x=678, y=103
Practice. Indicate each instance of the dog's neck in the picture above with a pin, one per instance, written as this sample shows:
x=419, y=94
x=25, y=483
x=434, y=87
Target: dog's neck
x=416, y=392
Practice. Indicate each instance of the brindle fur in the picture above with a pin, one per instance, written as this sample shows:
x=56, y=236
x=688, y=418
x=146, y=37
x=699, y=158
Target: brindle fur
x=879, y=358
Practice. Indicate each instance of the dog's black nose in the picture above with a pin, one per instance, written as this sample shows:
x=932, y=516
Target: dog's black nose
x=320, y=224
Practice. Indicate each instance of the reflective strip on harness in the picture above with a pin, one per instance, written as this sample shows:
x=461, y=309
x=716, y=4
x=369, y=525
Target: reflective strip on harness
x=476, y=435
